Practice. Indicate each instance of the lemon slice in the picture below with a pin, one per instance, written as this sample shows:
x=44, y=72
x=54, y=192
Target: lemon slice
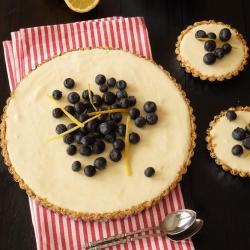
x=81, y=5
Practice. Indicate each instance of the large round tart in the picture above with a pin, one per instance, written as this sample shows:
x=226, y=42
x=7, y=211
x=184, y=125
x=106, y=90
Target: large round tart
x=190, y=52
x=43, y=168
x=220, y=141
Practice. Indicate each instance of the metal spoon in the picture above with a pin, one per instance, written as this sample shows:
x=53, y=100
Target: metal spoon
x=174, y=223
x=189, y=232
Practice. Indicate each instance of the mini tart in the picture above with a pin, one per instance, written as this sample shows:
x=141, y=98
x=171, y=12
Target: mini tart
x=43, y=168
x=220, y=141
x=190, y=52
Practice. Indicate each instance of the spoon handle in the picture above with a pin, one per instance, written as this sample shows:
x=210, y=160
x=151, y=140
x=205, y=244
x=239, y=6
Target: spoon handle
x=116, y=237
x=126, y=240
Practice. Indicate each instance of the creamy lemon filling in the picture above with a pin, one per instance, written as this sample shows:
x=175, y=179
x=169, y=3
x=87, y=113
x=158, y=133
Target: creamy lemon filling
x=45, y=166
x=192, y=51
x=222, y=141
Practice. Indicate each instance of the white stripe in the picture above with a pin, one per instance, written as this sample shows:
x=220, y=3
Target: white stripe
x=33, y=217
x=15, y=48
x=58, y=232
x=115, y=35
x=89, y=33
x=82, y=32
x=57, y=39
x=128, y=28
x=43, y=234
x=66, y=236
x=49, y=224
x=109, y=33
x=69, y=36
x=50, y=42
x=73, y=230
x=76, y=34
x=96, y=38
x=80, y=226
x=102, y=34
x=122, y=34
x=142, y=37
x=63, y=37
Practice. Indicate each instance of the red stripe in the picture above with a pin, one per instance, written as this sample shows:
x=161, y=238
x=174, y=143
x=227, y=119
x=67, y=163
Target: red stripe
x=105, y=34
x=27, y=56
x=52, y=215
x=78, y=27
x=139, y=36
x=77, y=236
x=61, y=231
x=47, y=42
x=46, y=228
x=92, y=34
x=41, y=47
x=124, y=30
x=132, y=40
x=73, y=35
x=145, y=221
x=85, y=233
x=53, y=38
x=65, y=38
x=85, y=33
x=118, y=34
x=39, y=227
x=138, y=226
x=7, y=51
x=99, y=36
x=70, y=237
x=112, y=33
x=57, y=27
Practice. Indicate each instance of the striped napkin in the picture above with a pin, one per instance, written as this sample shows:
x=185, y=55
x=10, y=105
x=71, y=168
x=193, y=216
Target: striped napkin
x=30, y=47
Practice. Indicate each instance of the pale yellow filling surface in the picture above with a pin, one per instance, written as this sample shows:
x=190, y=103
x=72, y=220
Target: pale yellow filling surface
x=223, y=141
x=192, y=51
x=45, y=166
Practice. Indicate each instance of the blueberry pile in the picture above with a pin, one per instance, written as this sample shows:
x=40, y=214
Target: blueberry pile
x=239, y=134
x=210, y=45
x=105, y=128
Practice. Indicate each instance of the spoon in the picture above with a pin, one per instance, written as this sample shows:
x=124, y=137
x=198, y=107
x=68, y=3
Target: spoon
x=174, y=223
x=189, y=232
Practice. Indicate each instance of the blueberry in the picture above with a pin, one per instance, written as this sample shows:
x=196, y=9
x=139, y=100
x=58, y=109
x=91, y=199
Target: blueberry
x=76, y=166
x=82, y=117
x=140, y=122
x=104, y=88
x=134, y=113
x=209, y=58
x=210, y=45
x=149, y=107
x=111, y=137
x=115, y=155
x=246, y=143
x=109, y=98
x=111, y=82
x=237, y=150
x=85, y=151
x=121, y=94
x=231, y=115
x=100, y=163
x=247, y=128
x=116, y=116
x=70, y=109
x=57, y=94
x=69, y=83
x=121, y=84
x=88, y=104
x=71, y=150
x=85, y=94
x=211, y=35
x=121, y=129
x=97, y=100
x=84, y=130
x=73, y=97
x=72, y=125
x=124, y=102
x=149, y=172
x=115, y=106
x=98, y=146
x=200, y=34
x=219, y=53
x=78, y=137
x=119, y=144
x=87, y=140
x=151, y=118
x=227, y=47
x=225, y=34
x=60, y=128
x=134, y=138
x=97, y=134
x=132, y=101
x=89, y=170
x=90, y=110
x=92, y=125
x=100, y=79
x=57, y=113
x=80, y=107
x=68, y=139
x=107, y=127
x=239, y=134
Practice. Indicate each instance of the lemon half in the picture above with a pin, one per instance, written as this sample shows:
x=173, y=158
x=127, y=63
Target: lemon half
x=81, y=6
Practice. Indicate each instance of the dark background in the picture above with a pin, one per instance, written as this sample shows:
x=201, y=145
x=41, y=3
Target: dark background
x=220, y=199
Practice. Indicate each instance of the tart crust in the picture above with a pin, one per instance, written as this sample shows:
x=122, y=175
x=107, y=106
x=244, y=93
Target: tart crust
x=109, y=215
x=211, y=145
x=196, y=73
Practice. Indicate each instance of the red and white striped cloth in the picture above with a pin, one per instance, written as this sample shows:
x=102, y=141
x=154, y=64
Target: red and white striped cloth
x=30, y=47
